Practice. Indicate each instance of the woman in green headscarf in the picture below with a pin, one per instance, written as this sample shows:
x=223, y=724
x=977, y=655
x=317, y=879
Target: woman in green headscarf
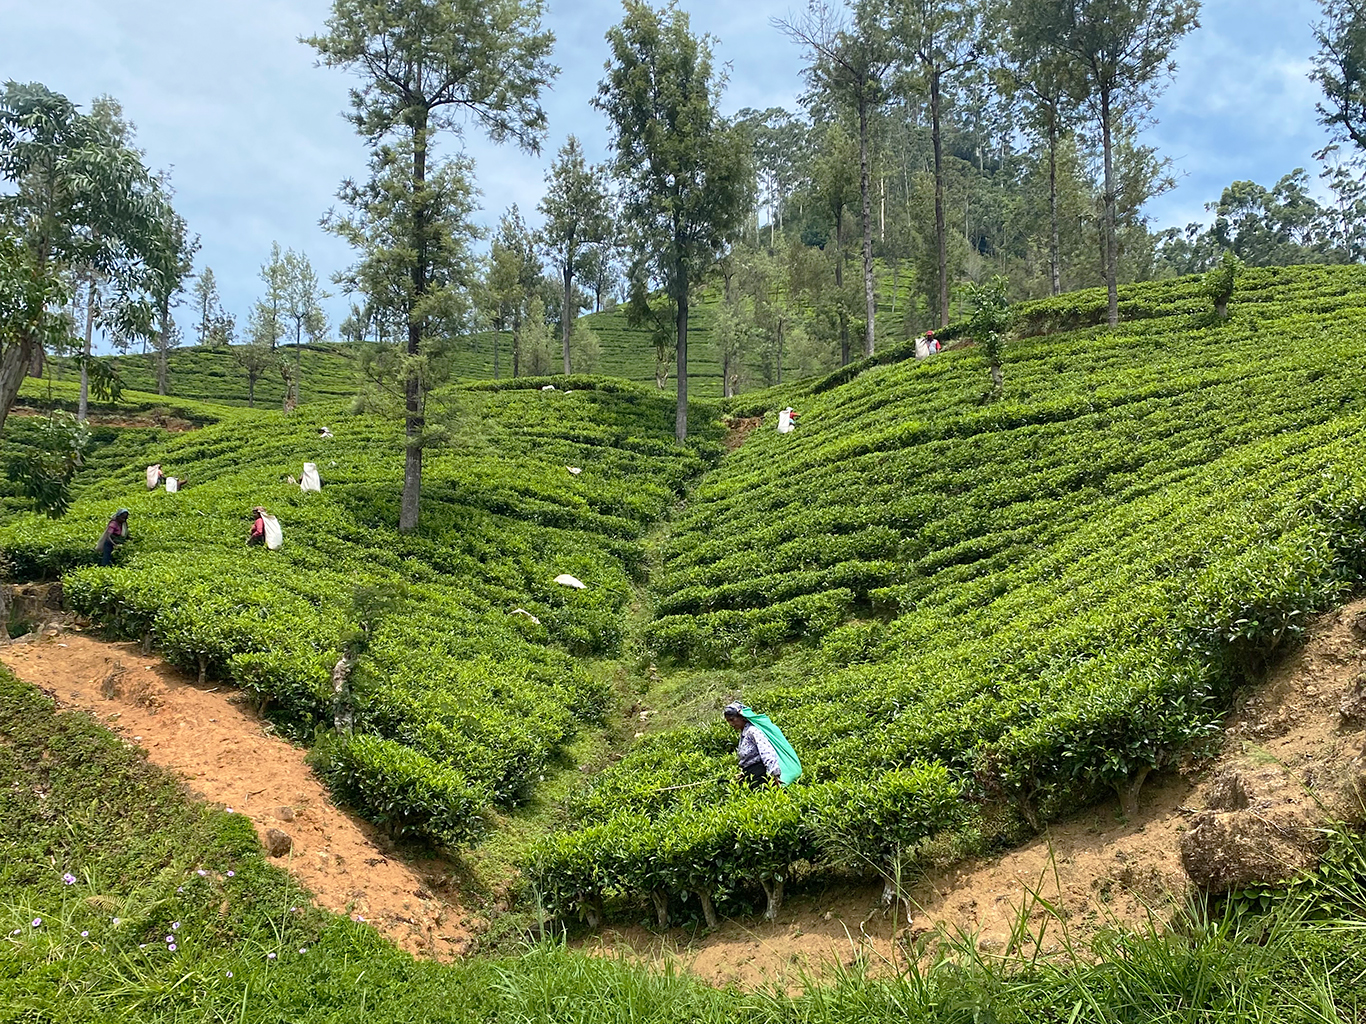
x=764, y=754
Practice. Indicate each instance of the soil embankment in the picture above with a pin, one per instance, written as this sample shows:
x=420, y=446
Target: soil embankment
x=227, y=755
x=1291, y=757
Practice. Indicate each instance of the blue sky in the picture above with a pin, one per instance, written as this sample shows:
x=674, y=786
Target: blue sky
x=225, y=97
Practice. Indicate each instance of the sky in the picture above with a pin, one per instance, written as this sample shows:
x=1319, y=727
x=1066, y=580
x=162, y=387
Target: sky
x=227, y=99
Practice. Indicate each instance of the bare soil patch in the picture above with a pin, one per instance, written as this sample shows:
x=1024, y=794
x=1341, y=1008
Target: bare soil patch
x=174, y=424
x=227, y=755
x=739, y=429
x=1293, y=745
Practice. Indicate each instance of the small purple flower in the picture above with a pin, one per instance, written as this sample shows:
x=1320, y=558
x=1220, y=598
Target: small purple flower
x=171, y=947
x=232, y=874
x=37, y=922
x=270, y=956
x=16, y=931
x=231, y=811
x=293, y=910
x=304, y=950
x=179, y=888
x=69, y=878
x=142, y=945
x=170, y=938
x=115, y=920
x=85, y=935
x=227, y=974
x=175, y=926
x=201, y=872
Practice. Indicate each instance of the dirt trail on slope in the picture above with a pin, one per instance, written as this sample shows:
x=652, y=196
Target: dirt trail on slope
x=227, y=755
x=1293, y=743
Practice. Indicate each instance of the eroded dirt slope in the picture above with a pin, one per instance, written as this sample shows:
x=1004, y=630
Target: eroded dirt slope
x=227, y=755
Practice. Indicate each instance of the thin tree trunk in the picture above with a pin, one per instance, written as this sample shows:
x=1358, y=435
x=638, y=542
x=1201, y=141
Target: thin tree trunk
x=251, y=391
x=565, y=315
x=1111, y=241
x=681, y=413
x=496, y=332
x=940, y=229
x=865, y=189
x=13, y=366
x=163, y=340
x=773, y=889
x=708, y=909
x=660, y=898
x=839, y=285
x=1055, y=246
x=83, y=405
x=412, y=387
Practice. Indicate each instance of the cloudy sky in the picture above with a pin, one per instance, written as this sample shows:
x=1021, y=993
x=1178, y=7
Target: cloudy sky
x=225, y=96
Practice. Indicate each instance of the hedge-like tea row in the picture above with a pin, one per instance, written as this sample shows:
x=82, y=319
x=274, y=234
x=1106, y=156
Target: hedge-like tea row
x=452, y=674
x=1045, y=597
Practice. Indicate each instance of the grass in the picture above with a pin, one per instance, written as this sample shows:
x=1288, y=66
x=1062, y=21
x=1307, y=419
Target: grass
x=102, y=857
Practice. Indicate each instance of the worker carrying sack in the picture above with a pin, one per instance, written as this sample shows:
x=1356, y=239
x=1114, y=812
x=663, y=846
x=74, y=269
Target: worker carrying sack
x=310, y=482
x=274, y=535
x=787, y=757
x=153, y=476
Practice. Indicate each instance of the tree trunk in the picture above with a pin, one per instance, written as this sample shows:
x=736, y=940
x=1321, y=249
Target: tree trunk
x=412, y=386
x=566, y=317
x=941, y=237
x=708, y=910
x=496, y=332
x=83, y=404
x=780, y=351
x=163, y=340
x=681, y=411
x=773, y=889
x=1128, y=793
x=516, y=346
x=1055, y=247
x=660, y=898
x=1111, y=241
x=251, y=391
x=865, y=189
x=839, y=285
x=343, y=716
x=14, y=365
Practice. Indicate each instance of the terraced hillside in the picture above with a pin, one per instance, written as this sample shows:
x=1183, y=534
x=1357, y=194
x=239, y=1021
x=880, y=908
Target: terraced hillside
x=468, y=678
x=954, y=605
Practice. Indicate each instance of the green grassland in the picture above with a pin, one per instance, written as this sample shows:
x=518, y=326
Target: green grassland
x=123, y=899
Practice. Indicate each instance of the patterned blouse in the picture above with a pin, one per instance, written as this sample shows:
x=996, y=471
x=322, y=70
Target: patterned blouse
x=754, y=747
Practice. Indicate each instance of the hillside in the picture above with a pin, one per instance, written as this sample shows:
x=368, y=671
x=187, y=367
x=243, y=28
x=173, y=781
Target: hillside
x=971, y=616
x=956, y=607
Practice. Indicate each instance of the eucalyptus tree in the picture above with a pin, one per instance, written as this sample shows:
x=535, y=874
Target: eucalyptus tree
x=684, y=171
x=76, y=195
x=169, y=262
x=578, y=214
x=303, y=300
x=1121, y=52
x=941, y=38
x=211, y=320
x=1041, y=73
x=850, y=59
x=833, y=186
x=1340, y=69
x=513, y=276
x=428, y=66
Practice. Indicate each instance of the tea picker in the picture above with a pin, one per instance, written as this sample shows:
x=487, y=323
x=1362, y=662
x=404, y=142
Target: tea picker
x=787, y=420
x=115, y=533
x=764, y=753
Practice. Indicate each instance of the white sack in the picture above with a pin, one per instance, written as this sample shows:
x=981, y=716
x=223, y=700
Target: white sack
x=274, y=535
x=565, y=580
x=311, y=482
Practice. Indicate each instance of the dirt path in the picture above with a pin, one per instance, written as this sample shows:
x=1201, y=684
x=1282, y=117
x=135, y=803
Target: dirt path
x=1294, y=744
x=227, y=755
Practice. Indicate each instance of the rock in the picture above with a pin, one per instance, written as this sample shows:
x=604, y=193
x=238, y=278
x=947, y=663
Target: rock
x=1353, y=707
x=284, y=813
x=278, y=843
x=1227, y=793
x=1359, y=625
x=1223, y=851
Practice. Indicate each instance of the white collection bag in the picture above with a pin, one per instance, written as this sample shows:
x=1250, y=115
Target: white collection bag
x=565, y=580
x=274, y=535
x=310, y=482
x=785, y=423
x=153, y=477
x=172, y=485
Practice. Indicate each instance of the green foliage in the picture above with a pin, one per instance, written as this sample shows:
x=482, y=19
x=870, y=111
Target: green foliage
x=454, y=675
x=1219, y=282
x=44, y=472
x=1043, y=598
x=400, y=788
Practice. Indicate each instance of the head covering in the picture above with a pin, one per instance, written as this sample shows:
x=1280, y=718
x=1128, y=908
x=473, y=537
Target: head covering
x=734, y=708
x=121, y=512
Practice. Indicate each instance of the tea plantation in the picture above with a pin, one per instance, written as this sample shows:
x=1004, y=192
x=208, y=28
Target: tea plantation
x=969, y=614
x=1026, y=602
x=469, y=677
